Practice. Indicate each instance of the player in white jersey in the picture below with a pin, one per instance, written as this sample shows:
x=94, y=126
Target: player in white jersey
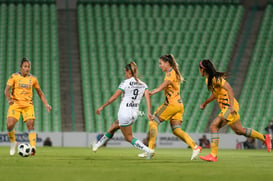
x=132, y=90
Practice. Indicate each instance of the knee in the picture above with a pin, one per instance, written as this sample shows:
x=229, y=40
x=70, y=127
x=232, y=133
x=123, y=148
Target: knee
x=213, y=128
x=10, y=125
x=30, y=124
x=152, y=124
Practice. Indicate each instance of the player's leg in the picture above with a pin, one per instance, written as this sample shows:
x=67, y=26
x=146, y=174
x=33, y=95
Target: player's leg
x=107, y=136
x=11, y=134
x=160, y=115
x=29, y=118
x=177, y=131
x=215, y=139
x=152, y=133
x=249, y=132
x=152, y=136
x=127, y=133
x=153, y=124
x=12, y=118
x=31, y=135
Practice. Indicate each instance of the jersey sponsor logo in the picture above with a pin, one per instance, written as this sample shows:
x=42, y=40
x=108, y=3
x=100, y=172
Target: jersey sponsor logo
x=133, y=83
x=27, y=86
x=131, y=104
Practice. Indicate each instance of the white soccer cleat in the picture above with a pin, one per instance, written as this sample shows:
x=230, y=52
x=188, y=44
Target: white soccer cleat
x=150, y=154
x=12, y=148
x=142, y=155
x=94, y=147
x=195, y=152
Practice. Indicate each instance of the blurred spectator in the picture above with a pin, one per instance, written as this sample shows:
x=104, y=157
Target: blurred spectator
x=269, y=129
x=249, y=143
x=204, y=142
x=47, y=142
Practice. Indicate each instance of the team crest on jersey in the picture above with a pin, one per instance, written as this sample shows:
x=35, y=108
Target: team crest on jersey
x=169, y=74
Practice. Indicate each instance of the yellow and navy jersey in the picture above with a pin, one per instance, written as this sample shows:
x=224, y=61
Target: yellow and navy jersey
x=22, y=88
x=220, y=93
x=172, y=91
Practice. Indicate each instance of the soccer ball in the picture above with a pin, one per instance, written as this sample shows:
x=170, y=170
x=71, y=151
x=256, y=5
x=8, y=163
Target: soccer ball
x=24, y=149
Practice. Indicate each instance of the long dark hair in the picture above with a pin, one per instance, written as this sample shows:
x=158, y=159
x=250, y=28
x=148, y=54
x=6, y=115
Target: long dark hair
x=207, y=66
x=170, y=58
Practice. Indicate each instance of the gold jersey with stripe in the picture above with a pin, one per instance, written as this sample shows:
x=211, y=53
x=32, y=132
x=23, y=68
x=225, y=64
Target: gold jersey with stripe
x=172, y=91
x=220, y=93
x=22, y=88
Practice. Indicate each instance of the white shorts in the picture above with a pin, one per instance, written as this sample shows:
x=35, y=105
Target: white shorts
x=127, y=117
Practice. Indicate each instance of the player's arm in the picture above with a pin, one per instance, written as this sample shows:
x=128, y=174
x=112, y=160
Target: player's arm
x=112, y=99
x=229, y=90
x=210, y=99
x=148, y=102
x=160, y=87
x=43, y=99
x=7, y=89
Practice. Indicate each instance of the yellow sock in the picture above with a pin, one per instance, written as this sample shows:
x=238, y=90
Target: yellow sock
x=184, y=137
x=11, y=135
x=215, y=139
x=32, y=138
x=254, y=134
x=152, y=134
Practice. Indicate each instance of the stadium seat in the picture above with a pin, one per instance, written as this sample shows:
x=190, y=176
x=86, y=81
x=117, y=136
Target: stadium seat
x=144, y=32
x=23, y=27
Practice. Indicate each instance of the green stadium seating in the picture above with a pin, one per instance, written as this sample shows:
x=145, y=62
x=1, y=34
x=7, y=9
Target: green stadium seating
x=30, y=29
x=256, y=97
x=119, y=33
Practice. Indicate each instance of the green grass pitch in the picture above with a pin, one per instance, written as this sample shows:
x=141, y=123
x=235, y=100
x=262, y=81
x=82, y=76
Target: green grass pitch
x=118, y=164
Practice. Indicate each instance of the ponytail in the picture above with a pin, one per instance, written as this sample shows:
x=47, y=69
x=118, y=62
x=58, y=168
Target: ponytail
x=207, y=66
x=170, y=58
x=132, y=66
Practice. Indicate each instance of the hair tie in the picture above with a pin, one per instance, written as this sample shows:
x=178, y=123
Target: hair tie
x=201, y=65
x=128, y=67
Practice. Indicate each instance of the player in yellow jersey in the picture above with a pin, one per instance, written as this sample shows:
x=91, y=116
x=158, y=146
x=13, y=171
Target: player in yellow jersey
x=223, y=93
x=20, y=102
x=172, y=109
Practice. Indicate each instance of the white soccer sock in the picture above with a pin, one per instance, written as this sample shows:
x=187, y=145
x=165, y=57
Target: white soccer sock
x=139, y=145
x=102, y=140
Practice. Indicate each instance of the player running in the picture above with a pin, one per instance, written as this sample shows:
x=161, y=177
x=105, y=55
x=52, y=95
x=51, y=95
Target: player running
x=172, y=109
x=223, y=93
x=132, y=90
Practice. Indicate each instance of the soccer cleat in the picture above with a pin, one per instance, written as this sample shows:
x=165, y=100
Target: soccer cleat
x=12, y=148
x=150, y=154
x=142, y=155
x=267, y=142
x=195, y=152
x=209, y=158
x=94, y=147
x=33, y=150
